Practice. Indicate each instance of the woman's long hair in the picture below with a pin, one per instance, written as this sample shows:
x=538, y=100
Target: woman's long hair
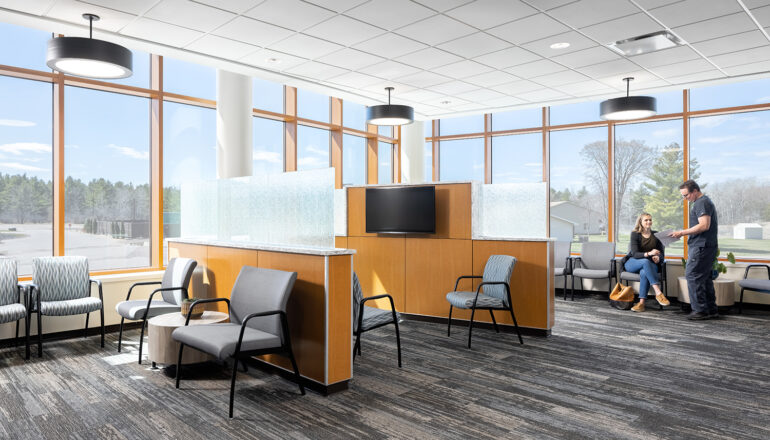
x=638, y=226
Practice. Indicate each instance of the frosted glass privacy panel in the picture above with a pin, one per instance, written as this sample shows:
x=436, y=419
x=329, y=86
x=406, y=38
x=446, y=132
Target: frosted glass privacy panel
x=341, y=211
x=290, y=208
x=509, y=210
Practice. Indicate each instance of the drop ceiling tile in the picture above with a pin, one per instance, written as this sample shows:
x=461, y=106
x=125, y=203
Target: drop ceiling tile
x=489, y=79
x=537, y=68
x=651, y=4
x=272, y=60
x=305, y=46
x=506, y=101
x=586, y=57
x=691, y=11
x=390, y=14
x=428, y=58
x=480, y=95
x=389, y=70
x=378, y=89
x=587, y=12
x=622, y=28
x=762, y=15
x=354, y=80
x=543, y=47
x=390, y=45
x=731, y=43
x=424, y=79
x=442, y=5
x=641, y=79
x=716, y=27
x=560, y=78
x=135, y=7
x=462, y=69
x=685, y=68
x=453, y=87
x=190, y=15
x=343, y=30
x=351, y=59
x=251, y=31
x=337, y=5
x=436, y=30
x=290, y=14
x=446, y=101
x=516, y=87
x=480, y=13
x=160, y=32
x=542, y=95
x=665, y=56
x=546, y=5
x=595, y=93
x=315, y=70
x=534, y=27
x=752, y=4
x=733, y=59
x=582, y=87
x=746, y=69
x=72, y=11
x=221, y=47
x=700, y=76
x=473, y=106
x=474, y=45
x=236, y=6
x=418, y=95
x=609, y=68
x=512, y=56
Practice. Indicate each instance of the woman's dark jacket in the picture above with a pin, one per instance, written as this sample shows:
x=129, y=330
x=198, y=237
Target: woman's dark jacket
x=634, y=248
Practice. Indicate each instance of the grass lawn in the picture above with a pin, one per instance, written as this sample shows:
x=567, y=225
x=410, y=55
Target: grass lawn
x=741, y=248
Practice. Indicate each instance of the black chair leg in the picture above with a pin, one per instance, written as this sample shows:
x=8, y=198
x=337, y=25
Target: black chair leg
x=297, y=377
x=26, y=335
x=85, y=330
x=740, y=303
x=449, y=323
x=565, y=287
x=398, y=339
x=582, y=288
x=39, y=335
x=243, y=363
x=516, y=324
x=120, y=333
x=494, y=323
x=609, y=287
x=16, y=339
x=470, y=326
x=572, y=278
x=357, y=346
x=179, y=365
x=232, y=385
x=101, y=315
x=141, y=340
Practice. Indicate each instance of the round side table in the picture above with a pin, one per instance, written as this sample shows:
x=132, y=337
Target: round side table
x=163, y=349
x=723, y=287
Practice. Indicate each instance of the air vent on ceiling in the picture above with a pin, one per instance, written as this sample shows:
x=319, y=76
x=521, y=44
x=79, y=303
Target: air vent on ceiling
x=645, y=43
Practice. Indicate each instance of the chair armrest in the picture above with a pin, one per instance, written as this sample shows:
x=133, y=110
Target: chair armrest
x=32, y=289
x=162, y=289
x=23, y=299
x=489, y=283
x=385, y=295
x=203, y=301
x=465, y=276
x=746, y=274
x=143, y=283
x=284, y=326
x=99, y=285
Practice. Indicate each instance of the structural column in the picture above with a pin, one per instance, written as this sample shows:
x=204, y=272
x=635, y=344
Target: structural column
x=234, y=125
x=412, y=152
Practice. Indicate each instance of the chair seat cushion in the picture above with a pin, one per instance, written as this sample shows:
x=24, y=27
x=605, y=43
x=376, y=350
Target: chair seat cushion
x=374, y=317
x=559, y=271
x=134, y=309
x=220, y=339
x=591, y=273
x=12, y=312
x=758, y=285
x=629, y=276
x=71, y=306
x=464, y=300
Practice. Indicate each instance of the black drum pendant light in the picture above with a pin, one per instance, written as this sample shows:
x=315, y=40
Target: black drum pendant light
x=389, y=114
x=88, y=57
x=628, y=107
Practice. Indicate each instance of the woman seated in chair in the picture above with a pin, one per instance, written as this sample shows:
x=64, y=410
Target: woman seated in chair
x=644, y=254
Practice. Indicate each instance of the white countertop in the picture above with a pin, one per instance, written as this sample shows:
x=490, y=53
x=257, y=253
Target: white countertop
x=289, y=249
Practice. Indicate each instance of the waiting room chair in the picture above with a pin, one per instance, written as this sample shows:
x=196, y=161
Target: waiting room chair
x=496, y=295
x=14, y=301
x=61, y=287
x=367, y=318
x=630, y=277
x=753, y=284
x=562, y=261
x=596, y=261
x=173, y=289
x=258, y=323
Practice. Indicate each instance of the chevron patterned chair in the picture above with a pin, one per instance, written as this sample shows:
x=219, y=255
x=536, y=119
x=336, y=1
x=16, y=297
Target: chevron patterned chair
x=496, y=293
x=61, y=287
x=367, y=318
x=14, y=301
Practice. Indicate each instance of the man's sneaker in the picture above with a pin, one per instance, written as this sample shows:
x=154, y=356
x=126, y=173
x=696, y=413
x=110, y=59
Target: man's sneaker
x=662, y=300
x=698, y=316
x=638, y=307
x=714, y=315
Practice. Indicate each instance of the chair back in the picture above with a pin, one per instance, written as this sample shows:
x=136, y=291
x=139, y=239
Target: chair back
x=178, y=274
x=261, y=290
x=61, y=278
x=597, y=255
x=9, y=293
x=358, y=298
x=561, y=252
x=498, y=268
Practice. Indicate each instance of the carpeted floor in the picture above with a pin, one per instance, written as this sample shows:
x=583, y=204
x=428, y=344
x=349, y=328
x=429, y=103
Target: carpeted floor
x=603, y=373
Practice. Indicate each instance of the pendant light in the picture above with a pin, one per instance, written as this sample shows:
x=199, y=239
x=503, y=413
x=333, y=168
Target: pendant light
x=389, y=114
x=88, y=57
x=628, y=107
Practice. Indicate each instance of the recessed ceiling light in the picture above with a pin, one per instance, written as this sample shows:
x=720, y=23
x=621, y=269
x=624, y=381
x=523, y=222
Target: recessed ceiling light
x=562, y=45
x=273, y=60
x=645, y=43
x=445, y=102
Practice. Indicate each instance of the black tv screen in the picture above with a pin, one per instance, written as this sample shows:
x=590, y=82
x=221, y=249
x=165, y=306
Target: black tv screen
x=408, y=209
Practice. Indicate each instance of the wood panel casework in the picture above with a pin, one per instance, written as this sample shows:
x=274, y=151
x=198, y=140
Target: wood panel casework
x=418, y=270
x=319, y=309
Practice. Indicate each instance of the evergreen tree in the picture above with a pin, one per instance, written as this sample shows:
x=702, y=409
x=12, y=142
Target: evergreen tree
x=663, y=200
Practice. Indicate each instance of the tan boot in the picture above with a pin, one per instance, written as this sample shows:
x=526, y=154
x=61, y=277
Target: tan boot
x=638, y=307
x=662, y=300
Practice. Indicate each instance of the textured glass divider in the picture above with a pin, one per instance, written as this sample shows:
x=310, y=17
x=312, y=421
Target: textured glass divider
x=341, y=211
x=509, y=210
x=294, y=208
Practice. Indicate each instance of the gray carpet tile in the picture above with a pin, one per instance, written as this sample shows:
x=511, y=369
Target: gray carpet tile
x=603, y=373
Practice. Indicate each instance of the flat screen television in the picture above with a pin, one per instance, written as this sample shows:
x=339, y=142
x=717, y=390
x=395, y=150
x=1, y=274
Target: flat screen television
x=401, y=210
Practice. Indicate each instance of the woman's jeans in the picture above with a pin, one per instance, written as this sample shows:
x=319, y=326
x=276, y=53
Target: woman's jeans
x=648, y=273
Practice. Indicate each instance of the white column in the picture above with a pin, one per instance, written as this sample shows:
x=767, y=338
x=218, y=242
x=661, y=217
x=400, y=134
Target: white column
x=412, y=152
x=234, y=125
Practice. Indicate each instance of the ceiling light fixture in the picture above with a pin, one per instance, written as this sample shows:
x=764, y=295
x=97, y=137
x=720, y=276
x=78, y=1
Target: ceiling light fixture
x=88, y=57
x=563, y=45
x=389, y=114
x=646, y=43
x=628, y=107
x=273, y=60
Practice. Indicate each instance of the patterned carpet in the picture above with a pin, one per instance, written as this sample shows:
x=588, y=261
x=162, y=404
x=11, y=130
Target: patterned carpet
x=603, y=373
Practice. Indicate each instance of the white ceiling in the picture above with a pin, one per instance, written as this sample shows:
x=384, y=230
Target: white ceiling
x=443, y=57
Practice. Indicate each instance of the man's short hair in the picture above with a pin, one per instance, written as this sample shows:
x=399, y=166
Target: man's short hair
x=691, y=185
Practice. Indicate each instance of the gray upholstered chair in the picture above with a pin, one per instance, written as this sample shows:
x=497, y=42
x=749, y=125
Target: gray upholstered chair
x=61, y=287
x=496, y=295
x=367, y=318
x=562, y=262
x=173, y=289
x=596, y=261
x=753, y=284
x=258, y=323
x=630, y=277
x=14, y=301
